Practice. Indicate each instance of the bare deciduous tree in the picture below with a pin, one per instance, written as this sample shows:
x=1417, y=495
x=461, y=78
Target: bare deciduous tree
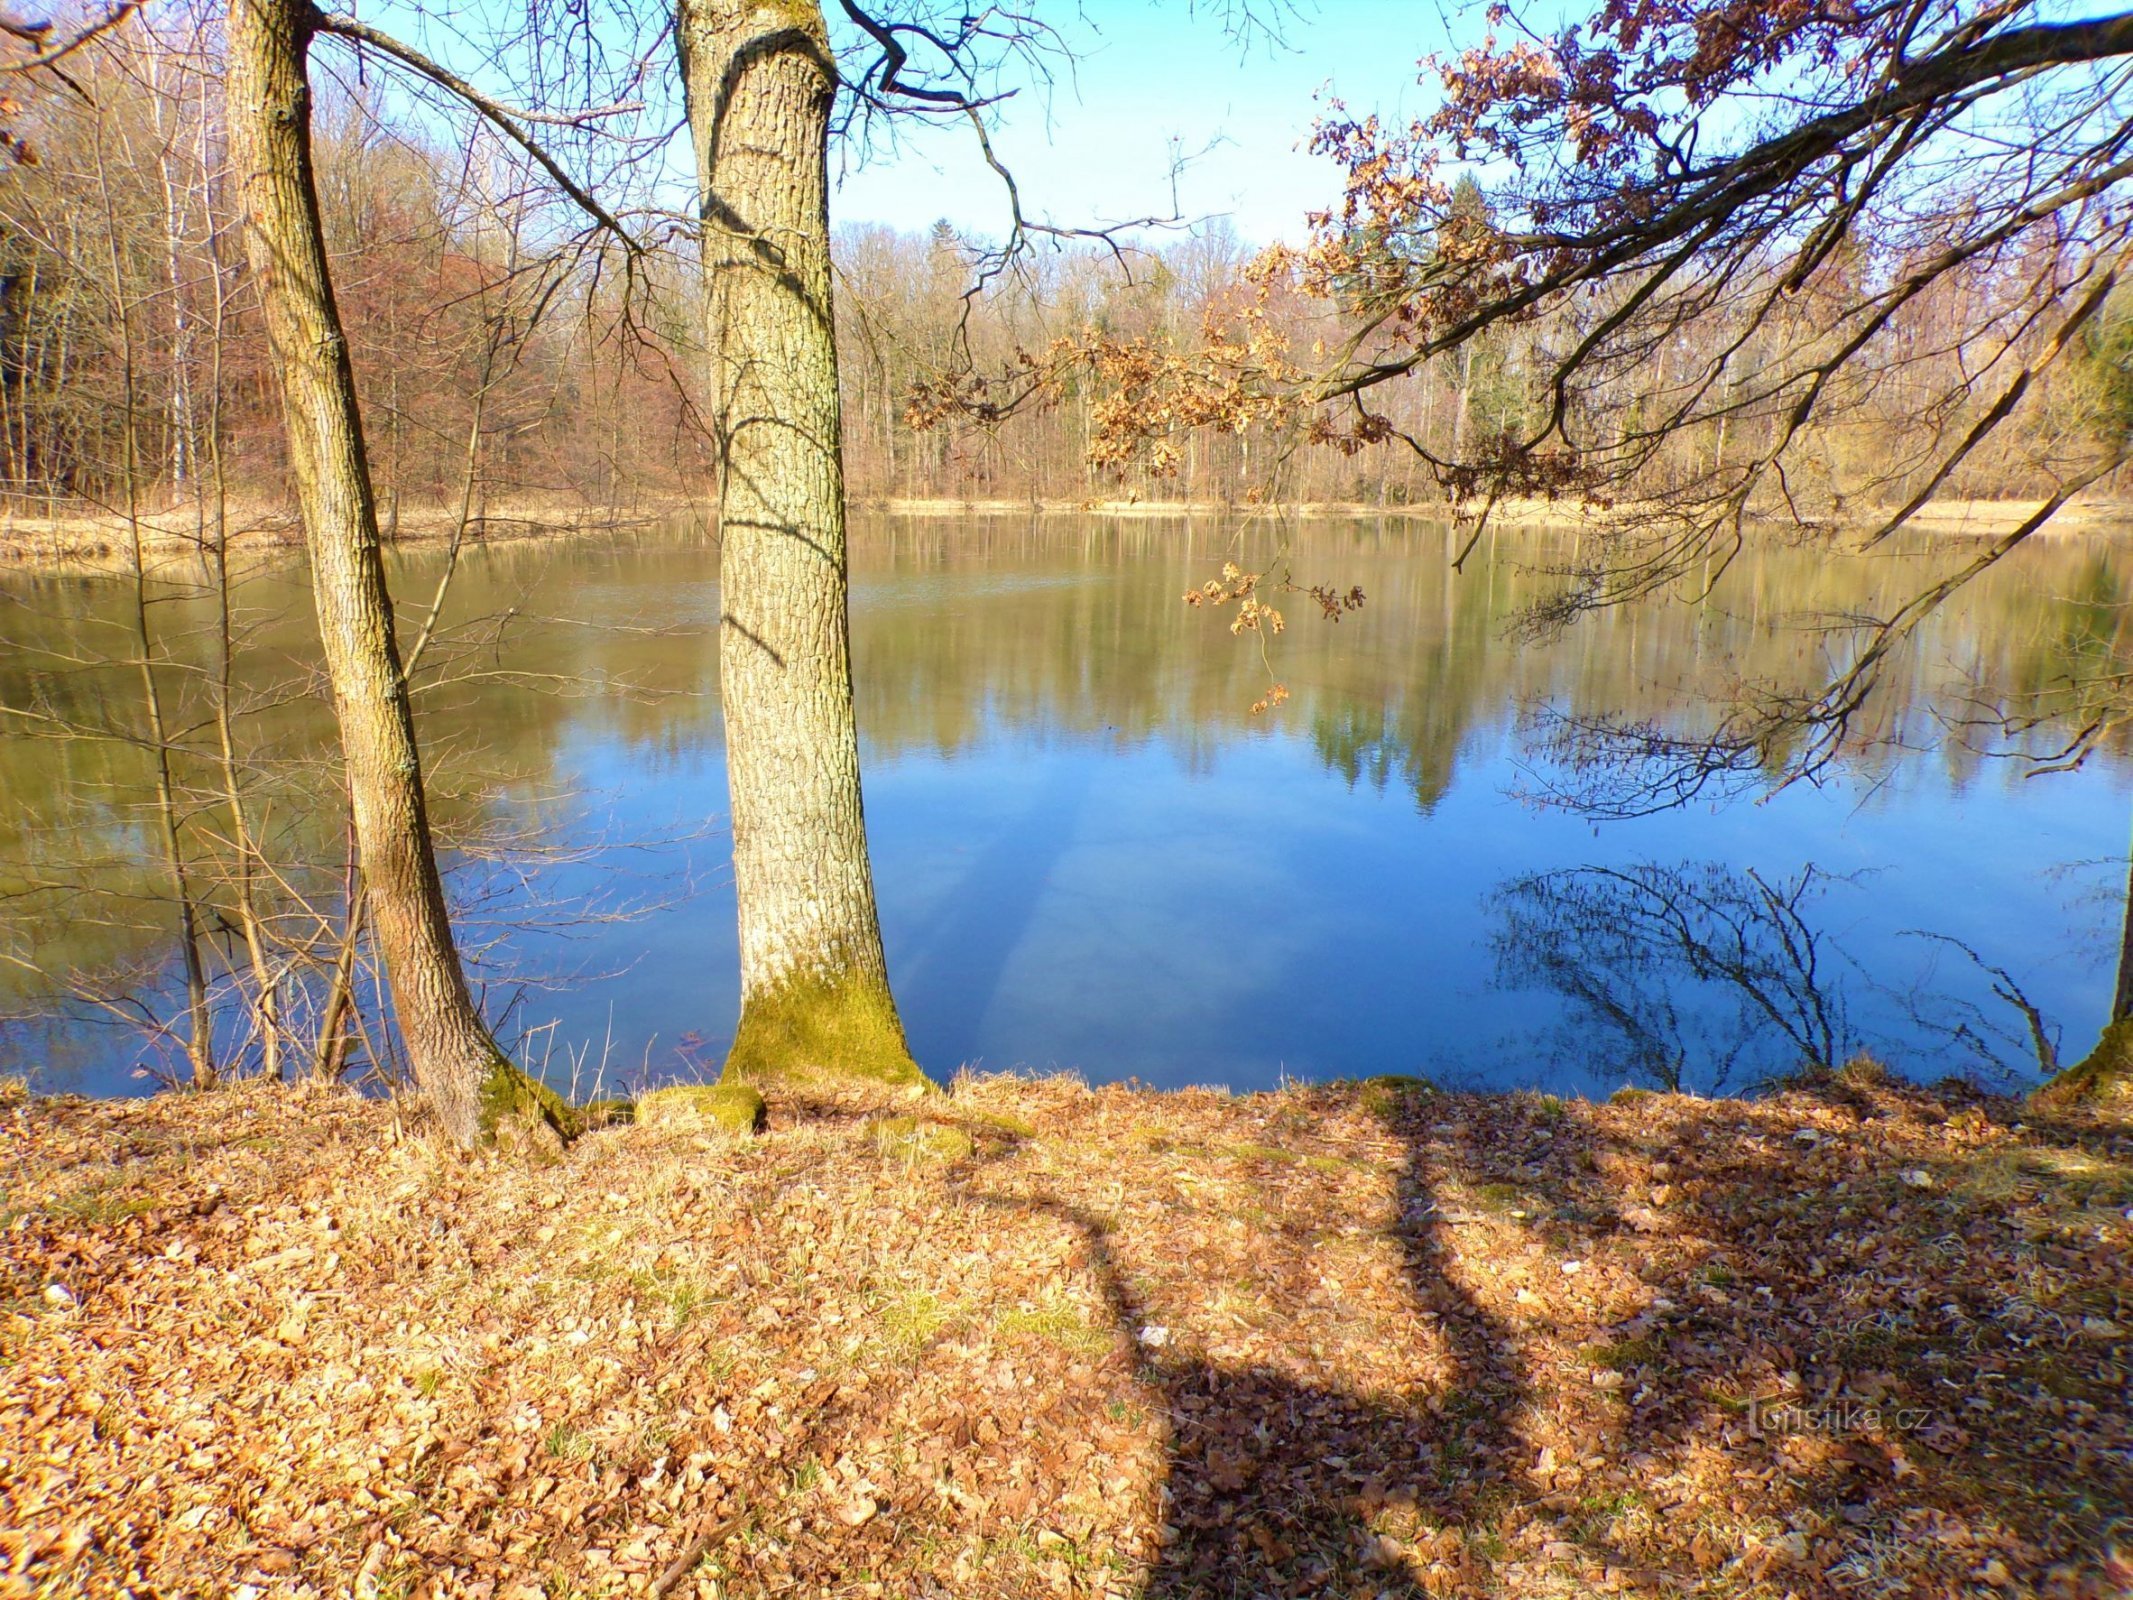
x=453, y=1057
x=814, y=981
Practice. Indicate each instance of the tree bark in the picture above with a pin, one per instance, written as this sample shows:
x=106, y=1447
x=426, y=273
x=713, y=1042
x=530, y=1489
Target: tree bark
x=2122, y=994
x=455, y=1061
x=815, y=995
x=2104, y=1077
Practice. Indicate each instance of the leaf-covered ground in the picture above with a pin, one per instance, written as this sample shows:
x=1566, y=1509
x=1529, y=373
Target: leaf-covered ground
x=1339, y=1341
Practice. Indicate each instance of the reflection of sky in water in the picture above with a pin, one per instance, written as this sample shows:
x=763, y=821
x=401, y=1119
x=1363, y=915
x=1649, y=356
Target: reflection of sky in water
x=1127, y=910
x=1208, y=898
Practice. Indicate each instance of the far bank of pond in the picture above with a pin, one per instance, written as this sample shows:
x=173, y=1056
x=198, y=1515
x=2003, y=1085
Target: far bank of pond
x=263, y=529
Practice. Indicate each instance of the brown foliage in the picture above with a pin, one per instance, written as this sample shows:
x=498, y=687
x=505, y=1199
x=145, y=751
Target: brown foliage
x=1344, y=1340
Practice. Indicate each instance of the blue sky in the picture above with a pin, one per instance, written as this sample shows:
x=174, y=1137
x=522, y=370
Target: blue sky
x=1093, y=146
x=1151, y=71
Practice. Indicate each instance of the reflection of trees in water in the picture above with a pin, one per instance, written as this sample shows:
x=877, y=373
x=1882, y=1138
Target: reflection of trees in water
x=1999, y=1034
x=2068, y=698
x=1669, y=969
x=1362, y=744
x=967, y=632
x=85, y=948
x=1664, y=966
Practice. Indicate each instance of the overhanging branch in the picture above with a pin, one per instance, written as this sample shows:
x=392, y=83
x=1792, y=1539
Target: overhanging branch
x=505, y=119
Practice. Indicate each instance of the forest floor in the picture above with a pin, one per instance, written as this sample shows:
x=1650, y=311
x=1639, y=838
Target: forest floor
x=1358, y=1340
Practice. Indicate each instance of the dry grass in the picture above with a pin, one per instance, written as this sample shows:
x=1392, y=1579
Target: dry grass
x=171, y=538
x=86, y=539
x=1320, y=1342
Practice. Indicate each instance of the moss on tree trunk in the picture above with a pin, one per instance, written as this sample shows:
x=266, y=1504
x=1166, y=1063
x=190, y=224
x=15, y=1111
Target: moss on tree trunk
x=2102, y=1078
x=508, y=1093
x=817, y=1028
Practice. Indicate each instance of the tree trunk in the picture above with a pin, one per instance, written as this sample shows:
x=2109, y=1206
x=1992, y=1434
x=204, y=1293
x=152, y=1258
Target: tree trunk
x=815, y=995
x=330, y=1059
x=2105, y=1075
x=455, y=1061
x=1466, y=385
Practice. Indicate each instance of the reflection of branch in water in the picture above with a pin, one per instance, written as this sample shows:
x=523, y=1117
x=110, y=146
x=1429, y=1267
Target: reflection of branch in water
x=1613, y=768
x=1697, y=965
x=1969, y=1026
x=1673, y=965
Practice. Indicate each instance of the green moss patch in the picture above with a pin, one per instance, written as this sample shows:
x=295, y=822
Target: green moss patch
x=1390, y=1093
x=912, y=1319
x=1619, y=1355
x=921, y=1140
x=1504, y=1198
x=725, y=1106
x=520, y=1115
x=1010, y=1128
x=1056, y=1322
x=2103, y=1079
x=822, y=1029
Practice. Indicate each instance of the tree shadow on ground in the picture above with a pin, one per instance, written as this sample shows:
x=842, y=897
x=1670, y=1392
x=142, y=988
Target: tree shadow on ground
x=1652, y=1347
x=1355, y=1341
x=1271, y=1483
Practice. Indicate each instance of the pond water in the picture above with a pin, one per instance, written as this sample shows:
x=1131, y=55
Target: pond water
x=1093, y=855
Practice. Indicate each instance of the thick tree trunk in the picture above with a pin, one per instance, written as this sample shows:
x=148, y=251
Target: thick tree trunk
x=455, y=1061
x=814, y=985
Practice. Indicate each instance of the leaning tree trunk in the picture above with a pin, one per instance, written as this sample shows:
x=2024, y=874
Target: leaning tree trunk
x=814, y=985
x=455, y=1060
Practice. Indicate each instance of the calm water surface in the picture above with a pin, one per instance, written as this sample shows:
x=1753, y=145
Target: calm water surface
x=1092, y=856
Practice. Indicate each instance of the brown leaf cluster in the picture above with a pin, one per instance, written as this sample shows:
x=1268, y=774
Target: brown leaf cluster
x=14, y=148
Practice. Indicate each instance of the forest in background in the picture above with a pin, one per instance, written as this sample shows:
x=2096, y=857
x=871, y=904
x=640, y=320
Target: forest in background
x=501, y=357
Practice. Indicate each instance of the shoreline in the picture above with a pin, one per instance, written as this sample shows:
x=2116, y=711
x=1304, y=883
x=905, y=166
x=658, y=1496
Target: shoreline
x=1027, y=1338
x=1970, y=518
x=172, y=537
x=101, y=541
